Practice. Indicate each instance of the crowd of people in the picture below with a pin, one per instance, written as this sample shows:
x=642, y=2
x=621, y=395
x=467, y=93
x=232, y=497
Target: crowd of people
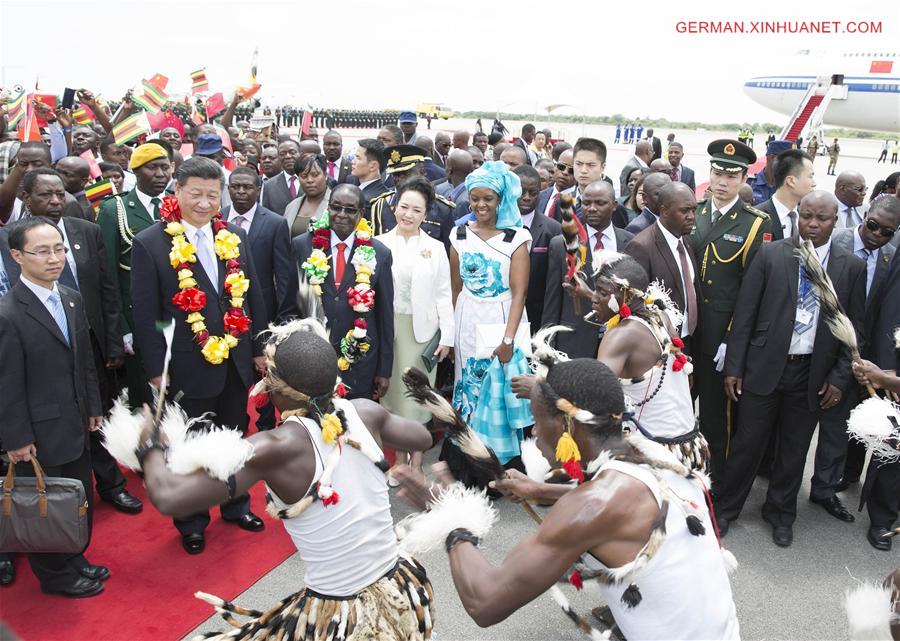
x=452, y=255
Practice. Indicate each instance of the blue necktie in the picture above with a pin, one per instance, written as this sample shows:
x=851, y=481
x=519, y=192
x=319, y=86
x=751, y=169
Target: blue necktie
x=807, y=301
x=59, y=314
x=201, y=244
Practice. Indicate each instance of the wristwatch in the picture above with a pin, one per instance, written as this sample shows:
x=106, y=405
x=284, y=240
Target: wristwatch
x=507, y=340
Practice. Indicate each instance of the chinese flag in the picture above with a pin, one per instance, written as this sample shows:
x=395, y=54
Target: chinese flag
x=881, y=66
x=159, y=81
x=214, y=105
x=34, y=131
x=47, y=99
x=92, y=161
x=157, y=121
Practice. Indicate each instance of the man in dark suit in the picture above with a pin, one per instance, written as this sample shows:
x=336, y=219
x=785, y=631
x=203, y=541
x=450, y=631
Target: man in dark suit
x=279, y=190
x=120, y=219
x=442, y=146
x=270, y=244
x=783, y=380
x=870, y=241
x=679, y=172
x=368, y=165
x=213, y=374
x=459, y=165
x=524, y=142
x=643, y=155
x=563, y=180
x=337, y=168
x=598, y=203
x=655, y=145
x=86, y=271
x=664, y=251
x=653, y=183
x=794, y=178
x=370, y=376
x=50, y=384
x=543, y=230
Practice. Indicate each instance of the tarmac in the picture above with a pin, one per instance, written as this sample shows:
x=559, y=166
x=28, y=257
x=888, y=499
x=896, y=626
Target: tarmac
x=780, y=593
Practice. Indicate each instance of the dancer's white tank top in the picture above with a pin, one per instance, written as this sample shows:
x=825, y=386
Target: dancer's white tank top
x=351, y=544
x=685, y=589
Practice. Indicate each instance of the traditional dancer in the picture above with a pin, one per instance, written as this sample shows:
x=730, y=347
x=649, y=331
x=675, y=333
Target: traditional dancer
x=324, y=472
x=639, y=526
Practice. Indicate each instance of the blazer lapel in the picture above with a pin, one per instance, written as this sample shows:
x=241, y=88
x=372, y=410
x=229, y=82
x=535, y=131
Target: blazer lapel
x=349, y=270
x=135, y=208
x=77, y=246
x=663, y=248
x=792, y=265
x=37, y=310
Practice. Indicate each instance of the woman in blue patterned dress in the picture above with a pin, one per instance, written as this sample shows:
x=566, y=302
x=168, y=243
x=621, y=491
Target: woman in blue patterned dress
x=489, y=268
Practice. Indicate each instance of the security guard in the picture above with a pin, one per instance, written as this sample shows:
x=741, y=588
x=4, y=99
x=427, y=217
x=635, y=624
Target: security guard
x=725, y=240
x=404, y=161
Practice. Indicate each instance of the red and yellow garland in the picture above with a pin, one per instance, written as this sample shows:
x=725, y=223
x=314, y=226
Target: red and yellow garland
x=191, y=299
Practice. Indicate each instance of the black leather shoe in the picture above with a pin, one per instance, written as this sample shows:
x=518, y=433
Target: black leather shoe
x=7, y=572
x=83, y=587
x=783, y=535
x=124, y=502
x=249, y=522
x=835, y=508
x=193, y=543
x=844, y=483
x=723, y=524
x=877, y=539
x=95, y=572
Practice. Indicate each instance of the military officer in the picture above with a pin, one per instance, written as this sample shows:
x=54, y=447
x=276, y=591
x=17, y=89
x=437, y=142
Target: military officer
x=404, y=161
x=120, y=218
x=727, y=235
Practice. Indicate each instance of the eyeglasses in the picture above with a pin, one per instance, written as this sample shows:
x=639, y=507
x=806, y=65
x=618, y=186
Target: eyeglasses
x=563, y=167
x=875, y=228
x=337, y=209
x=44, y=254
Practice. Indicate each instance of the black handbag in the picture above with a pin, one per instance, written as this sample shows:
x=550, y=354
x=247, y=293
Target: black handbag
x=429, y=360
x=41, y=514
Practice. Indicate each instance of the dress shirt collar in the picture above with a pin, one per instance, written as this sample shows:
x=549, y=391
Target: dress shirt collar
x=365, y=184
x=248, y=215
x=349, y=240
x=528, y=219
x=607, y=234
x=39, y=290
x=287, y=179
x=727, y=207
x=190, y=232
x=823, y=252
x=671, y=240
x=641, y=163
x=145, y=199
x=858, y=241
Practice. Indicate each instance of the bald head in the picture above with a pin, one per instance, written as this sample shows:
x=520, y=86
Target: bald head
x=308, y=147
x=850, y=188
x=460, y=139
x=677, y=208
x=477, y=156
x=817, y=215
x=653, y=184
x=662, y=165
x=75, y=172
x=459, y=165
x=644, y=151
x=425, y=143
x=498, y=149
x=513, y=157
x=821, y=198
x=442, y=143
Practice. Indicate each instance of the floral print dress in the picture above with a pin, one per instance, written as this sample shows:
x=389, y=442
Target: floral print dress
x=485, y=298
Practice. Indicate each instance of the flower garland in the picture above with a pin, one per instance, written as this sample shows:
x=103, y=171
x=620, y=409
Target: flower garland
x=361, y=297
x=191, y=299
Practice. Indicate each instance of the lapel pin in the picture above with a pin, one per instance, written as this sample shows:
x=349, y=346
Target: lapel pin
x=71, y=304
x=131, y=203
x=77, y=246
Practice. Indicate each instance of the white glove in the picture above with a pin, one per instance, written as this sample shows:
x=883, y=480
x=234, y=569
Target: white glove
x=719, y=358
x=128, y=340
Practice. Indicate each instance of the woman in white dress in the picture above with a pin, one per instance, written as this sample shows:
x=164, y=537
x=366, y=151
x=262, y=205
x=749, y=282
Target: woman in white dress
x=489, y=266
x=423, y=305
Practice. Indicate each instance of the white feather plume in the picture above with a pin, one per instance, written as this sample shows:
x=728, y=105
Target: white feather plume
x=279, y=333
x=869, y=612
x=870, y=424
x=536, y=465
x=731, y=562
x=658, y=291
x=606, y=257
x=219, y=451
x=122, y=433
x=897, y=339
x=542, y=350
x=455, y=507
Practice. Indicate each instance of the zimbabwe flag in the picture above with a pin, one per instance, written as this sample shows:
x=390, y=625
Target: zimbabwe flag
x=153, y=98
x=83, y=115
x=131, y=128
x=15, y=111
x=198, y=81
x=98, y=191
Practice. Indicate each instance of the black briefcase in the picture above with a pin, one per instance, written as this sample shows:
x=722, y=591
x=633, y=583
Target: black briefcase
x=41, y=514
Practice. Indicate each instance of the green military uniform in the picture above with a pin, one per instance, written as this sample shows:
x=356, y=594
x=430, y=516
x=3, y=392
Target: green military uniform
x=724, y=245
x=120, y=219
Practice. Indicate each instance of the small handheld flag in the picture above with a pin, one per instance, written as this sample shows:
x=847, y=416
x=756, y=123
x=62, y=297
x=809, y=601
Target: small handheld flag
x=199, y=83
x=131, y=128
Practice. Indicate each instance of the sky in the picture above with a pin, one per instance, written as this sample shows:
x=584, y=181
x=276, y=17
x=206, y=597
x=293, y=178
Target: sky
x=600, y=58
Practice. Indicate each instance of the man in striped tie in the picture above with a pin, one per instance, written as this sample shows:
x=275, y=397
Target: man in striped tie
x=783, y=381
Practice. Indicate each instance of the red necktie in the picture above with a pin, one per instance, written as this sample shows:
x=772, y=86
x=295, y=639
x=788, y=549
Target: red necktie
x=340, y=264
x=553, y=207
x=331, y=170
x=293, y=186
x=674, y=174
x=598, y=241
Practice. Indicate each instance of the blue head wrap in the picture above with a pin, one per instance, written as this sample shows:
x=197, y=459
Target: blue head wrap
x=497, y=177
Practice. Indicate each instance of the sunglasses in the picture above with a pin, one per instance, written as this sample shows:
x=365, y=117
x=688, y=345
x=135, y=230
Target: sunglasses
x=875, y=228
x=565, y=168
x=337, y=209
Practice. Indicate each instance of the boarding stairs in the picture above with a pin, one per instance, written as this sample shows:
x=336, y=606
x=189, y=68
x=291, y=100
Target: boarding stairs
x=810, y=112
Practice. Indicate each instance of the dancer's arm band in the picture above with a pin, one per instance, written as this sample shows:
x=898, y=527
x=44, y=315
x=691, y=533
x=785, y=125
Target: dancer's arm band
x=232, y=486
x=142, y=452
x=460, y=534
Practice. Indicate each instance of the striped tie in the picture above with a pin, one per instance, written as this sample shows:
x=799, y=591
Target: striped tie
x=59, y=314
x=807, y=302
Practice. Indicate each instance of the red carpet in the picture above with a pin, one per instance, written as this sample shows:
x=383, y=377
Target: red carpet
x=150, y=593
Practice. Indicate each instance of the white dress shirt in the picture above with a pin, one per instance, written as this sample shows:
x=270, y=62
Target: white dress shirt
x=365, y=184
x=41, y=292
x=673, y=243
x=847, y=218
x=608, y=236
x=144, y=199
x=348, y=241
x=190, y=233
x=725, y=208
x=804, y=343
x=549, y=205
x=337, y=168
x=868, y=255
x=785, y=220
x=242, y=220
x=528, y=219
x=70, y=257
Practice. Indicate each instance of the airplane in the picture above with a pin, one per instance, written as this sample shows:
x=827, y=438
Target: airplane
x=861, y=90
